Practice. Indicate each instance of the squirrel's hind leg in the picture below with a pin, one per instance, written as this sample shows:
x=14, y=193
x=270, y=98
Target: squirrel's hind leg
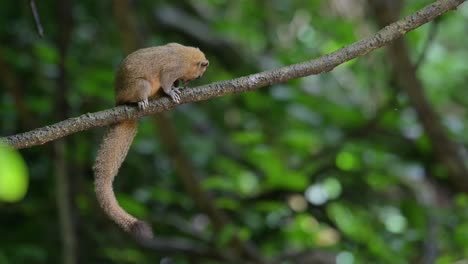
x=142, y=93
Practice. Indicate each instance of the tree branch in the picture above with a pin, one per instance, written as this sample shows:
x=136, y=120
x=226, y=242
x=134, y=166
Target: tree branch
x=447, y=151
x=430, y=38
x=243, y=84
x=65, y=200
x=37, y=19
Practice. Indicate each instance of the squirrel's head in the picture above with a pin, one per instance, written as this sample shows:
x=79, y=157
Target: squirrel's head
x=197, y=65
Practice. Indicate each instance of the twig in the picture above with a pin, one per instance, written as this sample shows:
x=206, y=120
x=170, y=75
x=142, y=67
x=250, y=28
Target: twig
x=37, y=19
x=243, y=84
x=430, y=38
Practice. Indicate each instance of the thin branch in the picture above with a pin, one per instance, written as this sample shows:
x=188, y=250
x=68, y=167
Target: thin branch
x=37, y=19
x=65, y=200
x=447, y=151
x=430, y=38
x=243, y=84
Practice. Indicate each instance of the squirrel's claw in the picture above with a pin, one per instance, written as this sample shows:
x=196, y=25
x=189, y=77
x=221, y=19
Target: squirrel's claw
x=142, y=105
x=174, y=94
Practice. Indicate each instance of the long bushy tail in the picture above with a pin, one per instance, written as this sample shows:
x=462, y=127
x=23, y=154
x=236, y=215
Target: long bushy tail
x=110, y=155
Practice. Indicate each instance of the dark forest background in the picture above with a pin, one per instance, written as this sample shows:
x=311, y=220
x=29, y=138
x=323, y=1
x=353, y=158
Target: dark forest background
x=364, y=164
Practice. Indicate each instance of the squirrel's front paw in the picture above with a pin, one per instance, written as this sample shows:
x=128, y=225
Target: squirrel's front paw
x=174, y=94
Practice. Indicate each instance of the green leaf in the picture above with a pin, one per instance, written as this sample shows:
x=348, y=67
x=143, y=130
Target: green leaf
x=333, y=187
x=13, y=175
x=246, y=183
x=248, y=137
x=226, y=235
x=46, y=52
x=301, y=140
x=227, y=203
x=126, y=255
x=347, y=161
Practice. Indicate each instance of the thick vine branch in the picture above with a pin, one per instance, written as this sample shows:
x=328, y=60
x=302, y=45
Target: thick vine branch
x=243, y=84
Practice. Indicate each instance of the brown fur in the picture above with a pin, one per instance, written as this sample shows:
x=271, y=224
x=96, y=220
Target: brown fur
x=140, y=76
x=155, y=68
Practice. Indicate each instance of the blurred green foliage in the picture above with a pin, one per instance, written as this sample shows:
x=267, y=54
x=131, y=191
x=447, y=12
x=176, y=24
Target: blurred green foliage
x=13, y=175
x=336, y=162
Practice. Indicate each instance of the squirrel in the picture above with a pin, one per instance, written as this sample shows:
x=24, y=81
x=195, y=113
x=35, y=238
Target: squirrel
x=140, y=76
